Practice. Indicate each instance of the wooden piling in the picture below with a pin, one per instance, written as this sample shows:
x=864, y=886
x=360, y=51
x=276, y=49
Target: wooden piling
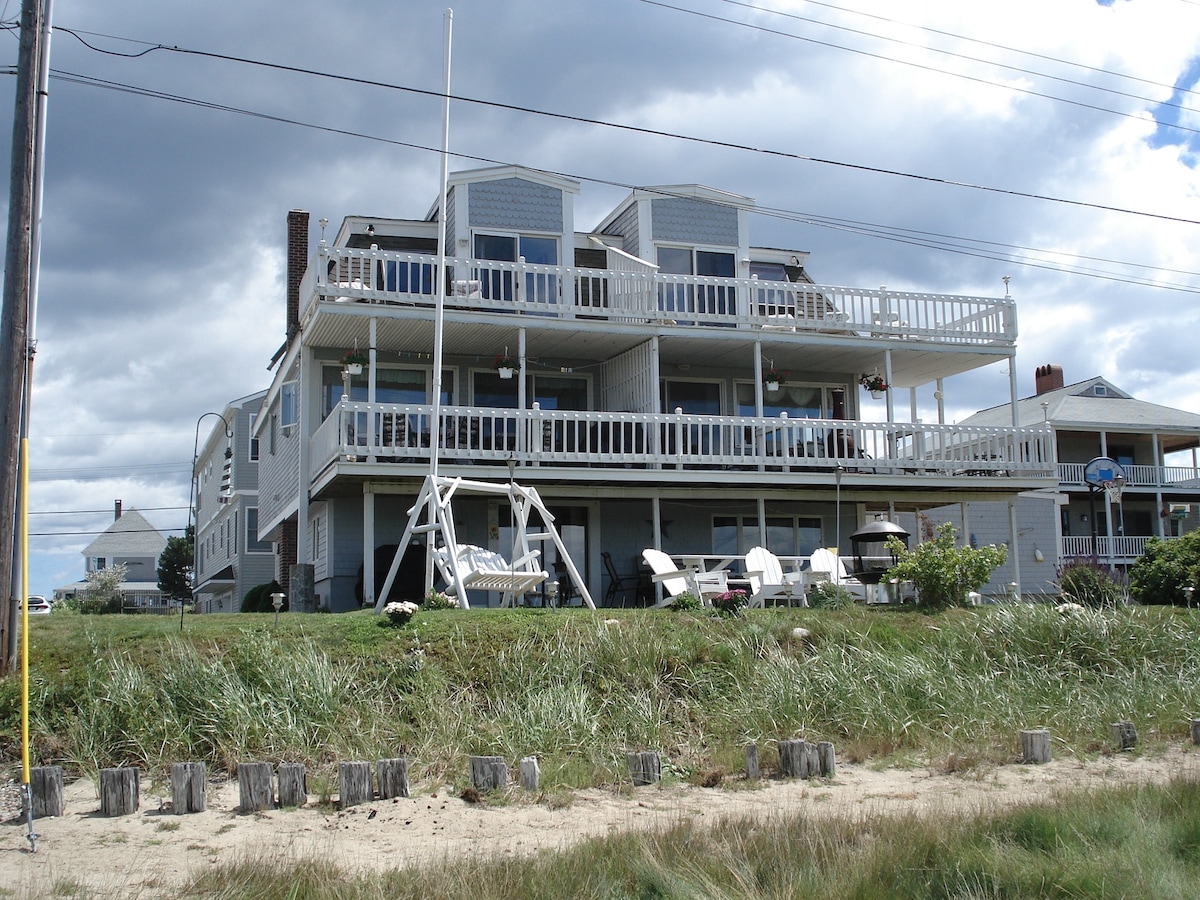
x=531, y=773
x=489, y=773
x=354, y=784
x=1035, y=746
x=752, y=768
x=1196, y=731
x=189, y=788
x=827, y=759
x=293, y=785
x=46, y=791
x=119, y=791
x=392, y=775
x=1125, y=735
x=255, y=790
x=644, y=768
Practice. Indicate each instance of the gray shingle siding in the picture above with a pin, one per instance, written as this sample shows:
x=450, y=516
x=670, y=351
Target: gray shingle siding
x=278, y=474
x=450, y=222
x=626, y=225
x=514, y=204
x=684, y=220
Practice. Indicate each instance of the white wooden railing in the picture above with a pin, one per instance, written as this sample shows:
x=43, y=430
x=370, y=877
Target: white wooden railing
x=1138, y=476
x=1119, y=547
x=379, y=276
x=359, y=431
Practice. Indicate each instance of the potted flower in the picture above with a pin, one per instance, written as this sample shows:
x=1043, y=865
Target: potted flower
x=772, y=379
x=354, y=361
x=504, y=365
x=399, y=613
x=875, y=384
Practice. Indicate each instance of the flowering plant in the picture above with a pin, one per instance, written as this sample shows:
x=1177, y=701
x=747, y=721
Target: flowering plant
x=354, y=358
x=873, y=382
x=773, y=376
x=503, y=361
x=438, y=600
x=730, y=603
x=400, y=612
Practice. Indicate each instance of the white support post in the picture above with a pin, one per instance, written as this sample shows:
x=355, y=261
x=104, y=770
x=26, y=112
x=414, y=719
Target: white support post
x=369, y=545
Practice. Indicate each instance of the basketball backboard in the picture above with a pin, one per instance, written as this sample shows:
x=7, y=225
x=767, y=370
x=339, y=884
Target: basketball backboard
x=1101, y=470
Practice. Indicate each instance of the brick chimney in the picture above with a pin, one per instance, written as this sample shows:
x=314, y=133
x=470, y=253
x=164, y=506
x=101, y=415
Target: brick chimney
x=297, y=261
x=1048, y=378
x=116, y=510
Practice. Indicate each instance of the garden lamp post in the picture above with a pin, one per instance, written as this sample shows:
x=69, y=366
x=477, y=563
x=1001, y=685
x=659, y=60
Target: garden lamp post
x=277, y=602
x=193, y=495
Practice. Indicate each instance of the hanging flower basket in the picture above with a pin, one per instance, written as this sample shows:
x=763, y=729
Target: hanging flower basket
x=354, y=361
x=773, y=380
x=504, y=366
x=874, y=383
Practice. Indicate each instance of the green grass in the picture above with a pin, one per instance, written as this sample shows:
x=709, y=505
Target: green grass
x=117, y=690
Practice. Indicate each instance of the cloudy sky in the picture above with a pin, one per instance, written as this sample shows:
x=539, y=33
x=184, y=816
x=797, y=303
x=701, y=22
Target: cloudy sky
x=933, y=145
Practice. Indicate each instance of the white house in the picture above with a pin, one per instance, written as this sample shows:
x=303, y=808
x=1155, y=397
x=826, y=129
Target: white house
x=639, y=406
x=133, y=542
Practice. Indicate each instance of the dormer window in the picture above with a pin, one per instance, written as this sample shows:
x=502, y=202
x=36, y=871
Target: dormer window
x=1099, y=390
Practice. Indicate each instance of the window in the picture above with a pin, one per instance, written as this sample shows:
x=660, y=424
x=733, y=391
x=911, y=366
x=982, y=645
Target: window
x=1099, y=390
x=253, y=544
x=274, y=428
x=497, y=284
x=709, y=298
x=560, y=392
x=407, y=386
x=289, y=409
x=786, y=536
x=253, y=439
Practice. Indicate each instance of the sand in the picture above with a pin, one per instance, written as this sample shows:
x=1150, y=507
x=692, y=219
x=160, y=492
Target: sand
x=150, y=853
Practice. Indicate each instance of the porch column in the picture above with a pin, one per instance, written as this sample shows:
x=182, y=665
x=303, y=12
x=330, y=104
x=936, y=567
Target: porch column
x=308, y=395
x=888, y=394
x=762, y=521
x=369, y=542
x=912, y=405
x=373, y=357
x=522, y=438
x=966, y=521
x=1016, y=550
x=940, y=396
x=1012, y=390
x=758, y=379
x=656, y=519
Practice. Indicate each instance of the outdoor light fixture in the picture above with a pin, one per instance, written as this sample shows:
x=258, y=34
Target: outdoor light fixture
x=277, y=602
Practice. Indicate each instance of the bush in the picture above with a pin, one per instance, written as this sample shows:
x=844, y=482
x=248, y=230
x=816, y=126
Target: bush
x=398, y=613
x=438, y=600
x=942, y=572
x=730, y=603
x=1090, y=583
x=258, y=598
x=827, y=595
x=1165, y=569
x=685, y=601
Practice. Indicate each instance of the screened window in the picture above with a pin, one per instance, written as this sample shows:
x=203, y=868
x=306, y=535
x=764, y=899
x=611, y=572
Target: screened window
x=497, y=284
x=786, y=535
x=405, y=386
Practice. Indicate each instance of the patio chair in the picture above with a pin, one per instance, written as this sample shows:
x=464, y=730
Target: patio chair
x=768, y=581
x=676, y=581
x=618, y=584
x=486, y=570
x=825, y=565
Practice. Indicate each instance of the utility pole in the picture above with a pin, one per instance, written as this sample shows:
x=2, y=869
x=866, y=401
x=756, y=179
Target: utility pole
x=14, y=319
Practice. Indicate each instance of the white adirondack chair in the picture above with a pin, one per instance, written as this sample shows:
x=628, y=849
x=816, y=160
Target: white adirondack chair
x=676, y=581
x=825, y=565
x=768, y=581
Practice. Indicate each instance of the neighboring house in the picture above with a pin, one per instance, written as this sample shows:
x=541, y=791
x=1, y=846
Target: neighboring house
x=230, y=556
x=1155, y=445
x=133, y=542
x=639, y=407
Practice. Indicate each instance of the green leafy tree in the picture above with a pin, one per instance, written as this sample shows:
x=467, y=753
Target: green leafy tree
x=103, y=592
x=1165, y=569
x=175, y=567
x=943, y=572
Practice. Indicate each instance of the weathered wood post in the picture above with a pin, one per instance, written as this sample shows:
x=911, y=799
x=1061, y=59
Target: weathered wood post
x=255, y=791
x=827, y=760
x=119, y=790
x=752, y=768
x=189, y=788
x=1124, y=735
x=799, y=759
x=489, y=773
x=644, y=768
x=293, y=785
x=531, y=773
x=46, y=791
x=1196, y=731
x=392, y=775
x=1035, y=746
x=354, y=784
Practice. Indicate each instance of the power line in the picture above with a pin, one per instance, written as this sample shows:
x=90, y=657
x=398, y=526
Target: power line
x=96, y=512
x=896, y=234
x=636, y=129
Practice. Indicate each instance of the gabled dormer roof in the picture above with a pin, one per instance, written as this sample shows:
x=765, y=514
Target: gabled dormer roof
x=130, y=535
x=500, y=173
x=675, y=191
x=1096, y=404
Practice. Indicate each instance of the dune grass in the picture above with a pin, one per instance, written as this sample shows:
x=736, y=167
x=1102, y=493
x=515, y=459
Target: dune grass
x=579, y=689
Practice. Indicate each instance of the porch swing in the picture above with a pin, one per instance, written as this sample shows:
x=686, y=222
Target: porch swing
x=466, y=567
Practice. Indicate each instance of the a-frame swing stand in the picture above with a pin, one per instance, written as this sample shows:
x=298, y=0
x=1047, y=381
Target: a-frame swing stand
x=466, y=567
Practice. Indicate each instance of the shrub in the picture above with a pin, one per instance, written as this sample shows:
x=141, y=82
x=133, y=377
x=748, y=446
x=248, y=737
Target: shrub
x=1089, y=583
x=1165, y=569
x=730, y=603
x=399, y=612
x=103, y=593
x=943, y=572
x=827, y=595
x=685, y=601
x=258, y=598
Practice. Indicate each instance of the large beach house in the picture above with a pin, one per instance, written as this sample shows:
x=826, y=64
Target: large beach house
x=660, y=380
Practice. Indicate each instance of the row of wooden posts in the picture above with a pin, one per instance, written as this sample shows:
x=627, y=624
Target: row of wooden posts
x=263, y=786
